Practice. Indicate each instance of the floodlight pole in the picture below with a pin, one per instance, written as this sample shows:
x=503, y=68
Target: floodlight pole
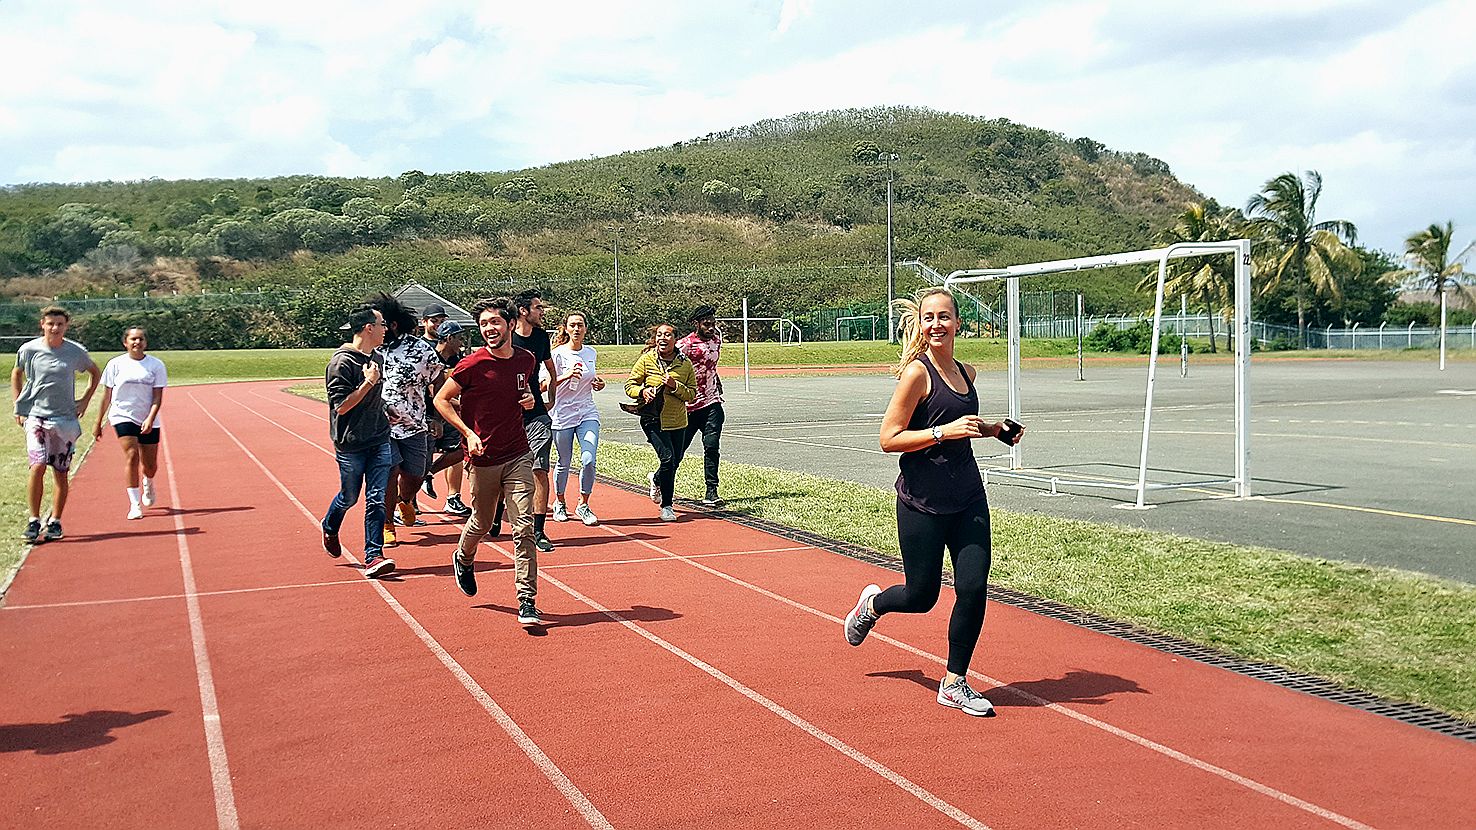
x=1442, y=330
x=891, y=270
x=618, y=337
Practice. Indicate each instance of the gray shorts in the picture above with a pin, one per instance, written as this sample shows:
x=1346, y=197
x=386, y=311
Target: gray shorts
x=540, y=439
x=411, y=455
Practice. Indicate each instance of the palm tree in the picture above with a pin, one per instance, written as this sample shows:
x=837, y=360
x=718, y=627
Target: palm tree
x=1430, y=263
x=1298, y=247
x=1208, y=280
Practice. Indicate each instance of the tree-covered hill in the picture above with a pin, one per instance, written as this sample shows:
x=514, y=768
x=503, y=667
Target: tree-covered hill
x=802, y=191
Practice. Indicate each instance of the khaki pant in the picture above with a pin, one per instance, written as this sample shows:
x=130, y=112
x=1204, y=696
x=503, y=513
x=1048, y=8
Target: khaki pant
x=489, y=485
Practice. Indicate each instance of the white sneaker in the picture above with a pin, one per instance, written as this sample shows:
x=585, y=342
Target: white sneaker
x=560, y=512
x=655, y=492
x=136, y=512
x=960, y=695
x=668, y=515
x=148, y=492
x=586, y=515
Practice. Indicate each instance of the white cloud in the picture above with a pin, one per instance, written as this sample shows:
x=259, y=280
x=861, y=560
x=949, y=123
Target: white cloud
x=1377, y=97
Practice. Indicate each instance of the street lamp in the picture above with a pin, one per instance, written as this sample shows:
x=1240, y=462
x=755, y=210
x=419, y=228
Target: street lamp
x=891, y=271
x=616, y=229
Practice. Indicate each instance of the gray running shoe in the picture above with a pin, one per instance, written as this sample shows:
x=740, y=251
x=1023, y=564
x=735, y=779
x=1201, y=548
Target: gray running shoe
x=668, y=514
x=960, y=695
x=53, y=531
x=560, y=512
x=528, y=614
x=586, y=515
x=861, y=618
x=33, y=531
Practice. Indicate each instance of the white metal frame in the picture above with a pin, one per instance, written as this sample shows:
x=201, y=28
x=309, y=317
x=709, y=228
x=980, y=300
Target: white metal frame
x=1241, y=248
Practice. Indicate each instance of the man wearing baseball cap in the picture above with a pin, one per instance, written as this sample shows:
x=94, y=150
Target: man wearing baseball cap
x=449, y=349
x=705, y=412
x=432, y=316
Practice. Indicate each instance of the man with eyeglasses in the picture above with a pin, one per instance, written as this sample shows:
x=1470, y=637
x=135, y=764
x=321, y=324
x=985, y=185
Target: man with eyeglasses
x=361, y=437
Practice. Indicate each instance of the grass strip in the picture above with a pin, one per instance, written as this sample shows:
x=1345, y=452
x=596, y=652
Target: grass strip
x=1397, y=634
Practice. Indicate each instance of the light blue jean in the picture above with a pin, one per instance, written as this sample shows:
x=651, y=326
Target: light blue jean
x=588, y=433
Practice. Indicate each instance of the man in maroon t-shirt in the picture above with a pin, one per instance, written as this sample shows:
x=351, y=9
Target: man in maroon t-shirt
x=495, y=387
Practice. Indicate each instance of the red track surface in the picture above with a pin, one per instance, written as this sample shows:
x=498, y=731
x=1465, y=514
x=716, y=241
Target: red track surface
x=692, y=674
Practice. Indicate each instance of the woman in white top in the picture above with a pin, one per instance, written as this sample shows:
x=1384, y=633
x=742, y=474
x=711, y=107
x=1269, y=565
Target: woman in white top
x=133, y=390
x=574, y=414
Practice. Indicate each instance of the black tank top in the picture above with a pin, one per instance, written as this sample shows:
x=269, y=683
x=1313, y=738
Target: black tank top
x=941, y=478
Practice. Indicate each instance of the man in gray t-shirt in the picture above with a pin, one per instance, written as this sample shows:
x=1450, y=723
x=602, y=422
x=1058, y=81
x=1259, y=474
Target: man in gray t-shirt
x=44, y=384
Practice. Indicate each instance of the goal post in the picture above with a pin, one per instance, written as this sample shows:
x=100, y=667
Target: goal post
x=1240, y=249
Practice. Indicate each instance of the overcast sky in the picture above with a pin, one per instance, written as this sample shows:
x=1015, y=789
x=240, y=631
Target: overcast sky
x=1378, y=96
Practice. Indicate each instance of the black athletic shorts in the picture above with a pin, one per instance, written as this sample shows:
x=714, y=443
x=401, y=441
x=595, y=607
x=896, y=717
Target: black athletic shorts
x=131, y=430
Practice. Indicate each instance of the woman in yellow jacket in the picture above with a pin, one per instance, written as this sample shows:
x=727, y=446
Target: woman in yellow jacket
x=662, y=370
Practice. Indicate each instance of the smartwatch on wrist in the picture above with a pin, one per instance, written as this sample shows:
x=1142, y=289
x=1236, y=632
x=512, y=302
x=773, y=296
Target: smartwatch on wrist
x=937, y=435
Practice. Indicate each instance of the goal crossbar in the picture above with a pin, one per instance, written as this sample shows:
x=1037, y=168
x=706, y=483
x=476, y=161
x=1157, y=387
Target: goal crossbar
x=1239, y=248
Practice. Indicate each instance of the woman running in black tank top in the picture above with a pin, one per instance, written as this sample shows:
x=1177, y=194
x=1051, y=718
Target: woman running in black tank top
x=933, y=415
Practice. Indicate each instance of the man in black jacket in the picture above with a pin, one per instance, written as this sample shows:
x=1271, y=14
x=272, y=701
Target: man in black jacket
x=360, y=430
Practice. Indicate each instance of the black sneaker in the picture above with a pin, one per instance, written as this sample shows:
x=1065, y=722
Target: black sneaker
x=711, y=499
x=383, y=566
x=543, y=543
x=528, y=614
x=53, y=531
x=429, y=486
x=33, y=531
x=466, y=578
x=330, y=544
x=456, y=507
x=495, y=531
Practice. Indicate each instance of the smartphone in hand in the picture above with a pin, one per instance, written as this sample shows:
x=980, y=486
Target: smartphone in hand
x=1009, y=433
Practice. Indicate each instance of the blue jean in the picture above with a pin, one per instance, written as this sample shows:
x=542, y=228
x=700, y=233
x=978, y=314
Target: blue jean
x=366, y=470
x=588, y=433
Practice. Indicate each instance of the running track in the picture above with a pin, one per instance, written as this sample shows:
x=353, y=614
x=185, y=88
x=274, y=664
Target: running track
x=209, y=666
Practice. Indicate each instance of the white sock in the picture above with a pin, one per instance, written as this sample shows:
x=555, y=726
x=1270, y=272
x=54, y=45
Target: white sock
x=133, y=495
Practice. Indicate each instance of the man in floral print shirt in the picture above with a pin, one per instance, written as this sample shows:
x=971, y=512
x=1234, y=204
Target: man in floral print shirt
x=705, y=412
x=411, y=368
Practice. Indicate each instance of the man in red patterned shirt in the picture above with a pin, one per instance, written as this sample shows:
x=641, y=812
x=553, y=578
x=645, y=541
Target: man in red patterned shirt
x=705, y=412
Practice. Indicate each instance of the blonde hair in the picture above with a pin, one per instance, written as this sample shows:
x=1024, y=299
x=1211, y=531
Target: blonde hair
x=563, y=335
x=909, y=312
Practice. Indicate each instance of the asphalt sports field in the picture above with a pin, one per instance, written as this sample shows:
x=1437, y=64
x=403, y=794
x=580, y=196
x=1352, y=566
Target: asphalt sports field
x=1361, y=461
x=209, y=666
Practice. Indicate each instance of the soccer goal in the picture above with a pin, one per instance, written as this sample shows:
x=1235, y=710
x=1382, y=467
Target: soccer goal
x=1241, y=250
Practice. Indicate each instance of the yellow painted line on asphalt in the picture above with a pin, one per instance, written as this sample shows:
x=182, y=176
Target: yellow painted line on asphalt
x=1398, y=514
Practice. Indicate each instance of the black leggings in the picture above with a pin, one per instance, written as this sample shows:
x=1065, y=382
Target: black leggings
x=923, y=536
x=667, y=443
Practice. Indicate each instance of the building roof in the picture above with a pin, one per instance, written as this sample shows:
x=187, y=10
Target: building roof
x=417, y=296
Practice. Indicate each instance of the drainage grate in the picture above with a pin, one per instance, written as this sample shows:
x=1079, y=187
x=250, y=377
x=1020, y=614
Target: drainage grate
x=1409, y=713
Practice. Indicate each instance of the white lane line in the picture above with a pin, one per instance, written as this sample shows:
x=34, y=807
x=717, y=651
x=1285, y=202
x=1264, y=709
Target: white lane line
x=835, y=743
x=550, y=770
x=220, y=769
x=542, y=567
x=890, y=775
x=1132, y=737
x=1455, y=391
x=157, y=597
x=1147, y=743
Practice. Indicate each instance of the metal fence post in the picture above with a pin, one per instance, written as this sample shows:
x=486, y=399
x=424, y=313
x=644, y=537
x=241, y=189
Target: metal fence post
x=1409, y=336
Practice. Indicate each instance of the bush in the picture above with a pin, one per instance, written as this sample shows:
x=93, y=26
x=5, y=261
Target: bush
x=1136, y=339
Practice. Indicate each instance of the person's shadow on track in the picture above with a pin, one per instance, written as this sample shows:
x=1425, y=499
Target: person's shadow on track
x=72, y=733
x=1076, y=686
x=636, y=613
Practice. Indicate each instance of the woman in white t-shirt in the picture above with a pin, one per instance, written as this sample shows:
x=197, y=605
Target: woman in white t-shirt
x=574, y=414
x=133, y=390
